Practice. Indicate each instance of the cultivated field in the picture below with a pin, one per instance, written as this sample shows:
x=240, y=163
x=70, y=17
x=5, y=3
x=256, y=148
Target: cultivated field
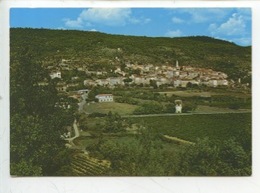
x=161, y=141
x=191, y=127
x=187, y=127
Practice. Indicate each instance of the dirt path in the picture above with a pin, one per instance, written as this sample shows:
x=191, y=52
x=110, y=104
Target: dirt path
x=83, y=102
x=70, y=143
x=77, y=134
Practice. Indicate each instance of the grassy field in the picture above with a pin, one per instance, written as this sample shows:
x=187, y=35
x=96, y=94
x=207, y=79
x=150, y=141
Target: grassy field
x=214, y=126
x=120, y=108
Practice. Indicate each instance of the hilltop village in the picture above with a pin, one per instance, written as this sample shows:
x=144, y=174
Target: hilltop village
x=139, y=75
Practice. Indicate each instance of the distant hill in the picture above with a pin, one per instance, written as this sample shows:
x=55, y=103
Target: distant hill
x=106, y=50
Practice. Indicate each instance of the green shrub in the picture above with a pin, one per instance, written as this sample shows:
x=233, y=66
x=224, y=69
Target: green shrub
x=97, y=114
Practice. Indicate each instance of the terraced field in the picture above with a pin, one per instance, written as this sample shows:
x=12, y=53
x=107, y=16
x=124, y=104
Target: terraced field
x=84, y=165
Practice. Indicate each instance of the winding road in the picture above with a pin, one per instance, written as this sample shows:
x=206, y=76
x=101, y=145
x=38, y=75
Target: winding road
x=70, y=143
x=83, y=102
x=77, y=134
x=184, y=114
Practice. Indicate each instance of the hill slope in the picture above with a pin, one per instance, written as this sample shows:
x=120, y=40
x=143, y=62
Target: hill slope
x=91, y=48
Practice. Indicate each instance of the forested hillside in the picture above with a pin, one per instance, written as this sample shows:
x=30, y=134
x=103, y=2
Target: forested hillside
x=91, y=48
x=36, y=148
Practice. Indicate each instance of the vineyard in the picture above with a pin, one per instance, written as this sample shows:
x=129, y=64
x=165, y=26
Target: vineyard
x=214, y=126
x=84, y=165
x=168, y=146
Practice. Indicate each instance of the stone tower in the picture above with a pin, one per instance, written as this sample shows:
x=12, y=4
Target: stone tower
x=178, y=106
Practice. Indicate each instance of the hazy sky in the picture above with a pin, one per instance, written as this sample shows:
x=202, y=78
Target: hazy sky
x=223, y=23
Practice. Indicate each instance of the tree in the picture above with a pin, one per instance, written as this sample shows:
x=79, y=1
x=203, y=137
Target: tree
x=27, y=95
x=207, y=158
x=170, y=108
x=35, y=125
x=188, y=106
x=153, y=84
x=149, y=108
x=36, y=144
x=139, y=156
x=114, y=123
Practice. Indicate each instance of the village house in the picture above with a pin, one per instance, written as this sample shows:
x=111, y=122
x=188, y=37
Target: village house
x=140, y=79
x=169, y=74
x=162, y=81
x=213, y=83
x=148, y=68
x=176, y=82
x=183, y=74
x=192, y=75
x=71, y=86
x=117, y=70
x=115, y=81
x=187, y=68
x=55, y=74
x=104, y=98
x=89, y=82
x=102, y=82
x=61, y=86
x=222, y=75
x=176, y=73
x=82, y=91
x=222, y=82
x=99, y=73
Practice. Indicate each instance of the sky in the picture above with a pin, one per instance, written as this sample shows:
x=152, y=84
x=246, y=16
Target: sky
x=231, y=24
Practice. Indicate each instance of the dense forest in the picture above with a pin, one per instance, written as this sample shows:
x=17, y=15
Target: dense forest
x=106, y=50
x=36, y=125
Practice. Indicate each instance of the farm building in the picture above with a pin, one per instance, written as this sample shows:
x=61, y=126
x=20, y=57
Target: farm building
x=105, y=98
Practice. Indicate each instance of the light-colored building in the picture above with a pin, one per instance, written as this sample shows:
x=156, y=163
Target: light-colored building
x=162, y=81
x=169, y=74
x=223, y=82
x=55, y=74
x=89, y=82
x=141, y=79
x=102, y=82
x=213, y=83
x=115, y=81
x=177, y=83
x=105, y=98
x=178, y=106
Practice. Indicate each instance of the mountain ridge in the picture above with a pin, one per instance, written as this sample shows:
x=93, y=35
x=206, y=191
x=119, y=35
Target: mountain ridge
x=98, y=48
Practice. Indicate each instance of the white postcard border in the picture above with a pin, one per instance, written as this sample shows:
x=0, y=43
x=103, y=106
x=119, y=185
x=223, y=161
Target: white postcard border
x=124, y=184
